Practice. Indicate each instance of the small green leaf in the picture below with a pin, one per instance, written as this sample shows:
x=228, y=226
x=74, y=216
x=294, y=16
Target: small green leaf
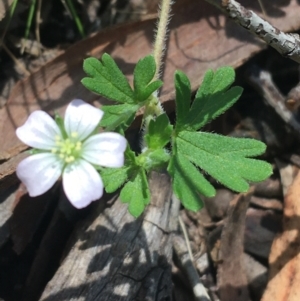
x=183, y=98
x=213, y=98
x=159, y=133
x=159, y=158
x=114, y=178
x=118, y=115
x=143, y=75
x=106, y=79
x=225, y=158
x=136, y=192
x=153, y=159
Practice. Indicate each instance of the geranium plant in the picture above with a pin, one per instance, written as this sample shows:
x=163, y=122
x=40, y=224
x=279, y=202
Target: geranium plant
x=72, y=148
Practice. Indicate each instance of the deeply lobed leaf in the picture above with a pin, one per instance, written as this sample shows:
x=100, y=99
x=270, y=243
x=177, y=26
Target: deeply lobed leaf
x=106, y=79
x=143, y=75
x=219, y=157
x=212, y=98
x=188, y=182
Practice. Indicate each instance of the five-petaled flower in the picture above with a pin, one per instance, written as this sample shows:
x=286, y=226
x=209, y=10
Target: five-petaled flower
x=72, y=152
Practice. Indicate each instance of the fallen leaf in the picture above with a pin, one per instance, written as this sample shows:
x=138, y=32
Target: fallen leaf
x=284, y=260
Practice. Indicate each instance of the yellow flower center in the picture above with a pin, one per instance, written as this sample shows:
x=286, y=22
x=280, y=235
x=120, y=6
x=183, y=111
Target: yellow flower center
x=68, y=149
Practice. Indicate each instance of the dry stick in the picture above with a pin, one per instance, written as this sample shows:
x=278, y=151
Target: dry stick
x=186, y=237
x=16, y=61
x=288, y=45
x=184, y=253
x=262, y=80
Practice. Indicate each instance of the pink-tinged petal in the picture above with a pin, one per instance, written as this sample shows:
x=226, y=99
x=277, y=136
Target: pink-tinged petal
x=39, y=172
x=39, y=131
x=82, y=183
x=105, y=149
x=81, y=118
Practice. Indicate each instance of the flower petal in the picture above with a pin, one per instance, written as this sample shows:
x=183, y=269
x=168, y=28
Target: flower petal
x=39, y=131
x=81, y=118
x=105, y=149
x=39, y=172
x=82, y=183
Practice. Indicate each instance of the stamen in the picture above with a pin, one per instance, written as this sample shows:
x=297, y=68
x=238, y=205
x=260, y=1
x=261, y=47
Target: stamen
x=68, y=149
x=74, y=134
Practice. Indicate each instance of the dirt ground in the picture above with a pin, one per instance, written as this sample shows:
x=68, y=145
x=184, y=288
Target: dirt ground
x=240, y=247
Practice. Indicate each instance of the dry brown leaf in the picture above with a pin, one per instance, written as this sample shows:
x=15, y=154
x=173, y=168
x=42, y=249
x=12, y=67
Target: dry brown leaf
x=284, y=276
x=232, y=280
x=200, y=38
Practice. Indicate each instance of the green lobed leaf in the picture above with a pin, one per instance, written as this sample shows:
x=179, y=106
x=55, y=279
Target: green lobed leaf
x=159, y=133
x=118, y=116
x=219, y=144
x=222, y=79
x=188, y=182
x=106, y=79
x=225, y=158
x=144, y=72
x=136, y=192
x=213, y=98
x=114, y=178
x=183, y=98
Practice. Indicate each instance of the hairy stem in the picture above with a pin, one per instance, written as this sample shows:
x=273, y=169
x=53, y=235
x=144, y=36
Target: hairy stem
x=154, y=107
x=160, y=39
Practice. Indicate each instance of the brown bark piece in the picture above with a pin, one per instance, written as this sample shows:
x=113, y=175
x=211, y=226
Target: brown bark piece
x=232, y=280
x=284, y=277
x=200, y=38
x=117, y=257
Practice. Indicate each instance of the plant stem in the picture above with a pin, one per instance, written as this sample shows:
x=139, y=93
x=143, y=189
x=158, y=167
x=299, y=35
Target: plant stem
x=160, y=39
x=153, y=107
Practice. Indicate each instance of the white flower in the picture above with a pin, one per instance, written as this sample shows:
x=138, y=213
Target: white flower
x=72, y=154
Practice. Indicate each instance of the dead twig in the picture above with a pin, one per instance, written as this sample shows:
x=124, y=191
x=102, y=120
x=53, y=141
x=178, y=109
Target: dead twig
x=288, y=45
x=181, y=250
x=262, y=81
